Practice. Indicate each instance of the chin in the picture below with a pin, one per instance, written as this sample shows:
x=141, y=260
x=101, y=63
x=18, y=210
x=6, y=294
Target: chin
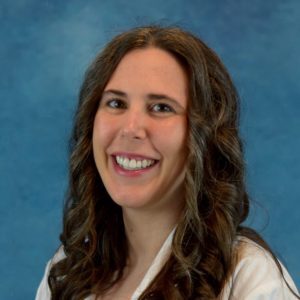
x=132, y=203
x=128, y=201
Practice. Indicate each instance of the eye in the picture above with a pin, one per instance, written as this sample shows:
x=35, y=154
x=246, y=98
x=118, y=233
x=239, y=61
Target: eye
x=116, y=104
x=161, y=108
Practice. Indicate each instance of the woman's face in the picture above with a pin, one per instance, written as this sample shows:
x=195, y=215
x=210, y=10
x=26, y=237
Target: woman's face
x=140, y=131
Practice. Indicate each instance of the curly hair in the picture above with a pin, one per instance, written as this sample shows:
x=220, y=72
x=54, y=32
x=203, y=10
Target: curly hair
x=216, y=201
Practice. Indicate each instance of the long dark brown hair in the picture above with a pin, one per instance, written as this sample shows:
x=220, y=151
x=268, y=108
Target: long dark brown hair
x=93, y=236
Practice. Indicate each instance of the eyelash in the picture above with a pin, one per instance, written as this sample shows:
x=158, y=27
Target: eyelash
x=116, y=104
x=155, y=108
x=163, y=108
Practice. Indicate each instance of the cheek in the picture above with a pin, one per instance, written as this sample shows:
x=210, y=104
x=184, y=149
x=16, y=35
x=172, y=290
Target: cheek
x=171, y=140
x=178, y=138
x=102, y=131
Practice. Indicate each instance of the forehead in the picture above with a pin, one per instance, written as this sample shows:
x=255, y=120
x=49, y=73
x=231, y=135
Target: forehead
x=150, y=70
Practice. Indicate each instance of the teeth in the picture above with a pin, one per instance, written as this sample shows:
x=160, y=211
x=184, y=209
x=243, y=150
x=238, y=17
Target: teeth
x=133, y=164
x=144, y=163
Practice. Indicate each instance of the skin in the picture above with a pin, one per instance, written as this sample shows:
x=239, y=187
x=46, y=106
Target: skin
x=143, y=115
x=133, y=123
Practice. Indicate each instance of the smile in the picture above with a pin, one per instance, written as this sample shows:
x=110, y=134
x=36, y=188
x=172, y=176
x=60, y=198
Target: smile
x=132, y=164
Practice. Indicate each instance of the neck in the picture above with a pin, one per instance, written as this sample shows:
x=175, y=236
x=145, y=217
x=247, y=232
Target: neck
x=146, y=233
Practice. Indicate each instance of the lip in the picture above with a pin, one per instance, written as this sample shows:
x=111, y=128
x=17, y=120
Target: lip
x=131, y=173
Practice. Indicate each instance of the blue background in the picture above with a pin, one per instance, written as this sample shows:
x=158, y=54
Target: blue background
x=44, y=51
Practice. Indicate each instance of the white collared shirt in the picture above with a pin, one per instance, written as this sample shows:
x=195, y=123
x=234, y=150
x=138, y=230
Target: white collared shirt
x=256, y=276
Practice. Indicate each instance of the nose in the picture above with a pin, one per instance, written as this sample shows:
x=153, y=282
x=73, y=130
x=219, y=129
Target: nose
x=134, y=126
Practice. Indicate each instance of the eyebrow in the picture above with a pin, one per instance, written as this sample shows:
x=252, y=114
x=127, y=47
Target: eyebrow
x=116, y=92
x=149, y=96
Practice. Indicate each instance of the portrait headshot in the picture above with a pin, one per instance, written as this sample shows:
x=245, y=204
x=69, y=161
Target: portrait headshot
x=151, y=152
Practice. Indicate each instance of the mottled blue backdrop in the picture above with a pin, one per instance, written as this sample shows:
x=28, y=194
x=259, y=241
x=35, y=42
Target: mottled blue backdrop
x=45, y=48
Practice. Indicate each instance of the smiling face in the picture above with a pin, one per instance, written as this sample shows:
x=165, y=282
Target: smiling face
x=140, y=131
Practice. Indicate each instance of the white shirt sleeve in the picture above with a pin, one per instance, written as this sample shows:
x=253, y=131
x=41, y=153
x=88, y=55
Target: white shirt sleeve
x=43, y=292
x=257, y=277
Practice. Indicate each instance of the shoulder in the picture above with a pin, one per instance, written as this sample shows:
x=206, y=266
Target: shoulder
x=256, y=275
x=43, y=292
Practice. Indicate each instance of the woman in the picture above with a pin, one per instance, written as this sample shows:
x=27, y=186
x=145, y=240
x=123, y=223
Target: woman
x=157, y=195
